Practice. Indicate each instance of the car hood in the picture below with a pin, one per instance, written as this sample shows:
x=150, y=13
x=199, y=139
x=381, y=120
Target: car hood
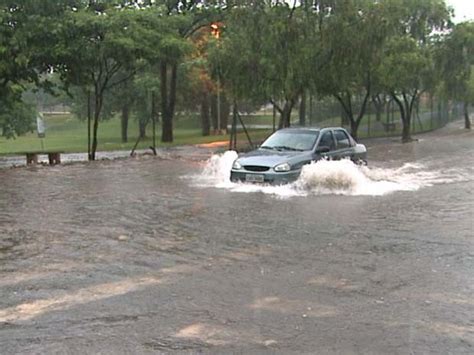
x=271, y=158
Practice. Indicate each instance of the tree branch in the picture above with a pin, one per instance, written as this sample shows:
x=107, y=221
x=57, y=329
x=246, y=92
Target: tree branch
x=400, y=104
x=343, y=104
x=279, y=109
x=364, y=105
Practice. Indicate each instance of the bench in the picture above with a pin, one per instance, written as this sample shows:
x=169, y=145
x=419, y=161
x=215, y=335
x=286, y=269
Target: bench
x=389, y=127
x=32, y=157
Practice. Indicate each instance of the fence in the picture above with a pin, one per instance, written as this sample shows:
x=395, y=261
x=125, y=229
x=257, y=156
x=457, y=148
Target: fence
x=384, y=120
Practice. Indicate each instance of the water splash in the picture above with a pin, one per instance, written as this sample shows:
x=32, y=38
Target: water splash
x=345, y=178
x=324, y=177
x=217, y=169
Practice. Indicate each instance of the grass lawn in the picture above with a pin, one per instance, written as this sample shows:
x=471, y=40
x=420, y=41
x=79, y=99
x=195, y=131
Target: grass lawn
x=68, y=134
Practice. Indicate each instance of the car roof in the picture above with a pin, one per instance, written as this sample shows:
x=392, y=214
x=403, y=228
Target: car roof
x=310, y=129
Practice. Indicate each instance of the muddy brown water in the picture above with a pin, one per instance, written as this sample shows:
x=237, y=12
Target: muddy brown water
x=134, y=256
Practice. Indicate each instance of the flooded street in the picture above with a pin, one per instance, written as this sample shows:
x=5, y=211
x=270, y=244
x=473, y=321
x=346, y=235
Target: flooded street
x=164, y=254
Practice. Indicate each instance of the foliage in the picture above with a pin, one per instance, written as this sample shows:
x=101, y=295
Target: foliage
x=266, y=53
x=27, y=36
x=355, y=36
x=455, y=58
x=119, y=51
x=407, y=68
x=17, y=119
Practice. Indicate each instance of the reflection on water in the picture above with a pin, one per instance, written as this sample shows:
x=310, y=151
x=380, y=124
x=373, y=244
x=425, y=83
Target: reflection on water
x=198, y=152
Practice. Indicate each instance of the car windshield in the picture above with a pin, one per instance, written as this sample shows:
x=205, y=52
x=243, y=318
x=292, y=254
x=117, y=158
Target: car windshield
x=291, y=140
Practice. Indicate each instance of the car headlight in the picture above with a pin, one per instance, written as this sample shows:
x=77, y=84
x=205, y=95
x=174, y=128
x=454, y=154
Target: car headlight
x=282, y=167
x=236, y=165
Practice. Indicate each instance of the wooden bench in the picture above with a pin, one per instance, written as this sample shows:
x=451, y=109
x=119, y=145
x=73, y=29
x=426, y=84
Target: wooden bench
x=53, y=157
x=389, y=127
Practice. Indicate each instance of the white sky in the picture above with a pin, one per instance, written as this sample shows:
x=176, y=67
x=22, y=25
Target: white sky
x=463, y=9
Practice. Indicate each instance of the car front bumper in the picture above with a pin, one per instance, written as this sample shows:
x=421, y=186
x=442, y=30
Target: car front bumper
x=269, y=177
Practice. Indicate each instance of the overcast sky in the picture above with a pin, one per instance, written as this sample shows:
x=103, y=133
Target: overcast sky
x=463, y=9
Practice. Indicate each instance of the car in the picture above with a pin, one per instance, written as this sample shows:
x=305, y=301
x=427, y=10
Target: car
x=281, y=156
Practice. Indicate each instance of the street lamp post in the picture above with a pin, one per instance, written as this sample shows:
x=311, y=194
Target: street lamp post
x=216, y=33
x=218, y=101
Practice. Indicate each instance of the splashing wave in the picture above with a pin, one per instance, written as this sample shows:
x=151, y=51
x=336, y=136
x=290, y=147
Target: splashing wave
x=340, y=177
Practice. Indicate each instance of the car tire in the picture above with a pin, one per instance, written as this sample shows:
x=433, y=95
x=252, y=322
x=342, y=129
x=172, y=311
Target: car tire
x=360, y=162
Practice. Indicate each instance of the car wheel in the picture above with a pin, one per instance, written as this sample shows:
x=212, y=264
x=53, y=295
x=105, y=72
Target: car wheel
x=360, y=162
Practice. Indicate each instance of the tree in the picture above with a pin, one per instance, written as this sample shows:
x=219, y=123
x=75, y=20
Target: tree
x=455, y=61
x=264, y=54
x=100, y=50
x=183, y=19
x=407, y=68
x=404, y=69
x=200, y=84
x=143, y=95
x=356, y=33
x=236, y=57
x=16, y=118
x=27, y=34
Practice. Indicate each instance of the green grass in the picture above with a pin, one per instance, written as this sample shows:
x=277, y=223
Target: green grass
x=68, y=134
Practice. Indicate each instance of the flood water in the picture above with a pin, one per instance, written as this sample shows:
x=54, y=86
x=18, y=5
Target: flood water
x=159, y=255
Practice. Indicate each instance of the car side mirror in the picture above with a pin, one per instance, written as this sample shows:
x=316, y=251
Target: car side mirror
x=323, y=149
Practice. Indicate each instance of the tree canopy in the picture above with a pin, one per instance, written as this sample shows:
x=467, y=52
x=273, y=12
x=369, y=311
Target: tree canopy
x=266, y=51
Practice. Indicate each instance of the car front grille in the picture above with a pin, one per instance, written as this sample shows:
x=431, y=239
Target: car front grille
x=256, y=168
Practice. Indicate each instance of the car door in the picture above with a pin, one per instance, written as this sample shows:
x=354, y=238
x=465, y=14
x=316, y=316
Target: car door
x=343, y=144
x=327, y=141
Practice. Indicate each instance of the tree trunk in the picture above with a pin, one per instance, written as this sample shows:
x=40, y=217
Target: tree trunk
x=406, y=130
x=154, y=118
x=233, y=132
x=348, y=112
x=97, y=110
x=467, y=121
x=168, y=100
x=345, y=120
x=89, y=121
x=431, y=111
x=213, y=109
x=379, y=104
x=355, y=128
x=405, y=113
x=225, y=112
x=142, y=123
x=389, y=108
x=205, y=119
x=406, y=123
x=302, y=112
x=285, y=114
x=124, y=122
x=447, y=111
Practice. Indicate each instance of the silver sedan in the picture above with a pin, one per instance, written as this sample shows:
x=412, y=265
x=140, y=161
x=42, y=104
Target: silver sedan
x=281, y=157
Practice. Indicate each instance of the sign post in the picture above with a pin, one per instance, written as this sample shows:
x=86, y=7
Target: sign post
x=40, y=128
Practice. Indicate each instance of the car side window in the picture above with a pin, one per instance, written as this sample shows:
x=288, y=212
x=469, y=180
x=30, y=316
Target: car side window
x=342, y=139
x=327, y=140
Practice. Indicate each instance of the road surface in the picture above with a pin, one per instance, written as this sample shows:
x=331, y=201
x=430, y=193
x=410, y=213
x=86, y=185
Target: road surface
x=160, y=255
